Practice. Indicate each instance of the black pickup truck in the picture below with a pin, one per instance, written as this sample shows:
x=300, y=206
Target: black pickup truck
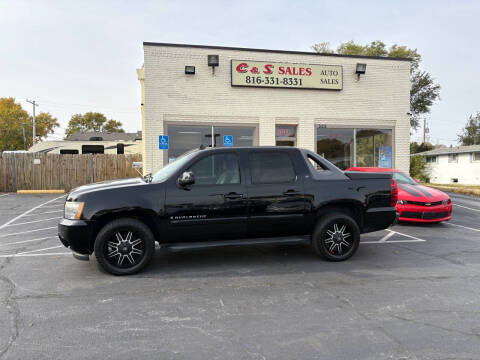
x=228, y=196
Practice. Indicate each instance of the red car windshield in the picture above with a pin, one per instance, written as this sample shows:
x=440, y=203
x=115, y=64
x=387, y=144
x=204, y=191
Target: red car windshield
x=402, y=178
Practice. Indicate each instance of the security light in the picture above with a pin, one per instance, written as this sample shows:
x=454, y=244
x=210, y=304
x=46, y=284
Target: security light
x=189, y=69
x=213, y=60
x=360, y=70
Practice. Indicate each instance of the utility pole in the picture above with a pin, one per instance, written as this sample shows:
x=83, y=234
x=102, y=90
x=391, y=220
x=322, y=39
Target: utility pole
x=426, y=130
x=34, y=124
x=24, y=138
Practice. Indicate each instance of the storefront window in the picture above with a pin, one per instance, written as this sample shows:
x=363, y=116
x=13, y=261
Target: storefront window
x=183, y=138
x=374, y=148
x=285, y=135
x=336, y=145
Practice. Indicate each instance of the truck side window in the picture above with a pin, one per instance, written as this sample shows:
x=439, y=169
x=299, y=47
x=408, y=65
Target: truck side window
x=271, y=168
x=316, y=164
x=217, y=169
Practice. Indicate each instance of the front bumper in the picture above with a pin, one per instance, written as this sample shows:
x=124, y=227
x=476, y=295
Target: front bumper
x=424, y=214
x=76, y=235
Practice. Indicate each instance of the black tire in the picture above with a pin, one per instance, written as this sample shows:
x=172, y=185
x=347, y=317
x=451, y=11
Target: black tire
x=124, y=246
x=336, y=237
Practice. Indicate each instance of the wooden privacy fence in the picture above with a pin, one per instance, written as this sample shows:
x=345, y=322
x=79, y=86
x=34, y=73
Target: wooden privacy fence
x=33, y=171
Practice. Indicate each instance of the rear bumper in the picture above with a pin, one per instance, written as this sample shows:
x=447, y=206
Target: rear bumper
x=76, y=235
x=380, y=218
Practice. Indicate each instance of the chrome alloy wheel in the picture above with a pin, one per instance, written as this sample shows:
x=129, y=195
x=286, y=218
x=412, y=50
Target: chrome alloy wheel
x=125, y=249
x=338, y=239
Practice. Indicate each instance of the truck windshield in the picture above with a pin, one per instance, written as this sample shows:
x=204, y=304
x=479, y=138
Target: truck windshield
x=165, y=172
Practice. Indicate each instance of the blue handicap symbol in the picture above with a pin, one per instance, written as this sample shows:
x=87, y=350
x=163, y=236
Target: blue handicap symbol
x=227, y=140
x=163, y=142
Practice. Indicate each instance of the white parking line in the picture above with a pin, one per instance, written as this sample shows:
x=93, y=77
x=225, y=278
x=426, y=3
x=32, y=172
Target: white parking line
x=45, y=254
x=53, y=206
x=26, y=232
x=38, y=250
x=4, y=195
x=29, y=211
x=384, y=239
x=465, y=227
x=46, y=212
x=466, y=207
x=34, y=221
x=27, y=241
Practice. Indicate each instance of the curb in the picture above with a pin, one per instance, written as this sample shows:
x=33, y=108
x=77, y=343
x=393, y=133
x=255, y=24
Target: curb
x=40, y=191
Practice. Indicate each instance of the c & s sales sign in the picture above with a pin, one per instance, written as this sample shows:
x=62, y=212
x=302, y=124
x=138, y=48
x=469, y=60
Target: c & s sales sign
x=286, y=75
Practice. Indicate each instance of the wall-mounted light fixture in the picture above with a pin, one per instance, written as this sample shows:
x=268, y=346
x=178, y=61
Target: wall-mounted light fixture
x=190, y=69
x=213, y=62
x=360, y=70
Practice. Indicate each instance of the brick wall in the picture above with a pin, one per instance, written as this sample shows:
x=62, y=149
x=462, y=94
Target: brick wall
x=380, y=99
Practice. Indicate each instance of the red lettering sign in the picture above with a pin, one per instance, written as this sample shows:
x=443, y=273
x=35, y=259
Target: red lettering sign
x=242, y=68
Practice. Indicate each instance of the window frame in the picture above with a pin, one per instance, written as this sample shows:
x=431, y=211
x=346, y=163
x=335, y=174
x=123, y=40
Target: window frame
x=473, y=156
x=195, y=161
x=251, y=153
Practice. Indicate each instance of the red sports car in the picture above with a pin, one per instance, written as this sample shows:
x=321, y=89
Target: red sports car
x=416, y=203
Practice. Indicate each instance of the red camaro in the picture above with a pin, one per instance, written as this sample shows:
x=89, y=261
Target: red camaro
x=416, y=202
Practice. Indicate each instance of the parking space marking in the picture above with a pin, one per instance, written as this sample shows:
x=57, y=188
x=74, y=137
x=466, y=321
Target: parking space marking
x=384, y=240
x=27, y=241
x=4, y=195
x=29, y=211
x=32, y=255
x=38, y=250
x=386, y=237
x=34, y=221
x=465, y=227
x=466, y=207
x=46, y=212
x=28, y=231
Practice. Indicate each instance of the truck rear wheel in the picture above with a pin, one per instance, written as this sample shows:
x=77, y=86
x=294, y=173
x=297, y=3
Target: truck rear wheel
x=336, y=237
x=124, y=246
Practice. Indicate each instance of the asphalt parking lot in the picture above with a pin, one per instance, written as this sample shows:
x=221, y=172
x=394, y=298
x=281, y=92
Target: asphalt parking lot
x=410, y=292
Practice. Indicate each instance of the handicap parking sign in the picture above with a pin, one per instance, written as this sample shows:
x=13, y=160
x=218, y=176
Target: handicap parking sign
x=163, y=142
x=227, y=140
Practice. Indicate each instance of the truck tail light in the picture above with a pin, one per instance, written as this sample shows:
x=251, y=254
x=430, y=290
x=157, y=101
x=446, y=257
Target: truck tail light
x=393, y=192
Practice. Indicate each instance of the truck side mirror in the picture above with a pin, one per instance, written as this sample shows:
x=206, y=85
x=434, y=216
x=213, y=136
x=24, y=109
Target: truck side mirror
x=186, y=179
x=417, y=181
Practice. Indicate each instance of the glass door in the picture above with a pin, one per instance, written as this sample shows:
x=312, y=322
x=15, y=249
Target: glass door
x=183, y=138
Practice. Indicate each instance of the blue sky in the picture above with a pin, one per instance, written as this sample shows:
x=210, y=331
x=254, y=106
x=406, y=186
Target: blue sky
x=81, y=56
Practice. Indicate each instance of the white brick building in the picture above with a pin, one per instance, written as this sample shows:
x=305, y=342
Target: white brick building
x=350, y=119
x=459, y=164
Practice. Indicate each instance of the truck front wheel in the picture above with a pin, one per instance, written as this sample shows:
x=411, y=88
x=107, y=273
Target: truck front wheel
x=124, y=246
x=336, y=237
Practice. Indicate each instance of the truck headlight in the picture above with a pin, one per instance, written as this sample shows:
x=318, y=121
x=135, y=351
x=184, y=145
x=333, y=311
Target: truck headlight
x=446, y=202
x=73, y=210
x=402, y=202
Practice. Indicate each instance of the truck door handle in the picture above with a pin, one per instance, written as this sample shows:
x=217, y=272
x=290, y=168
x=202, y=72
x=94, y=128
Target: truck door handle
x=291, y=192
x=233, y=195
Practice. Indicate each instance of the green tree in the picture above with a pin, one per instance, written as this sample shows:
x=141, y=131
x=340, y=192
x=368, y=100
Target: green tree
x=13, y=118
x=417, y=168
x=92, y=121
x=424, y=91
x=471, y=132
x=417, y=148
